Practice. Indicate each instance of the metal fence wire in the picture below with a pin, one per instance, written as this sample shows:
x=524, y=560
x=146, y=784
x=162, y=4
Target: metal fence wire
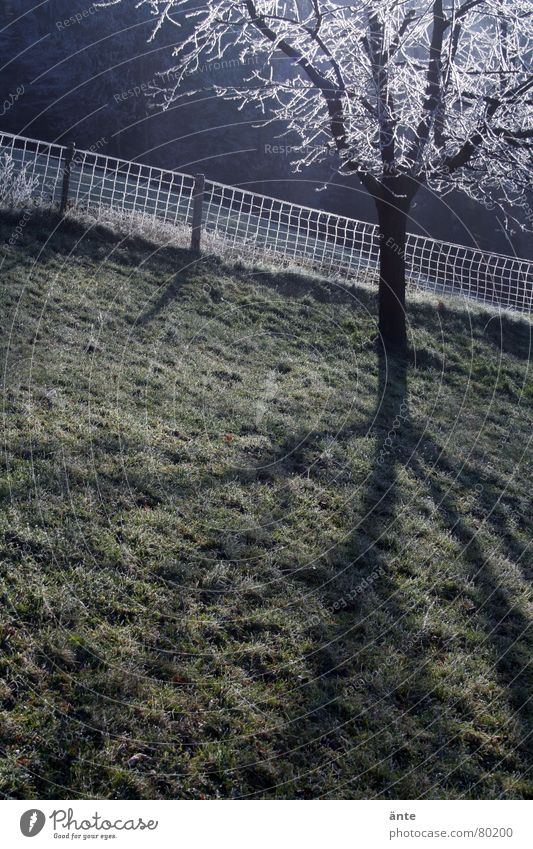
x=262, y=226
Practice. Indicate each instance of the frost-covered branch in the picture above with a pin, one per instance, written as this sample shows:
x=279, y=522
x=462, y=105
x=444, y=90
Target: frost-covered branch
x=408, y=93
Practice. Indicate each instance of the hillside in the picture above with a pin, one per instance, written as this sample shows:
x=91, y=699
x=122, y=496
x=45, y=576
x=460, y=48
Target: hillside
x=241, y=553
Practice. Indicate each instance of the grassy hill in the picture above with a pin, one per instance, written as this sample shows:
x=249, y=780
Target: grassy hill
x=241, y=553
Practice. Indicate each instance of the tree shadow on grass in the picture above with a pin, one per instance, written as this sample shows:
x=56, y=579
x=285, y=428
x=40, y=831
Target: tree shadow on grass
x=371, y=571
x=361, y=567
x=362, y=719
x=512, y=336
x=504, y=622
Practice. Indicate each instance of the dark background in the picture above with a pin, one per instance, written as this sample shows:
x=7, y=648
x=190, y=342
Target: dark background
x=71, y=78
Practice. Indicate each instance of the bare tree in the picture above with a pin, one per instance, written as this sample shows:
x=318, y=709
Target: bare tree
x=409, y=93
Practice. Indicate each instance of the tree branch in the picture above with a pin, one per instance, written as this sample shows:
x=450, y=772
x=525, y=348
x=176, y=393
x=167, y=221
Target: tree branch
x=332, y=95
x=434, y=84
x=469, y=148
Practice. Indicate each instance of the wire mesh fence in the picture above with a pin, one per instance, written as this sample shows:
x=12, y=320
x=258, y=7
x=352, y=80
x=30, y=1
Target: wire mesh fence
x=258, y=226
x=98, y=181
x=40, y=161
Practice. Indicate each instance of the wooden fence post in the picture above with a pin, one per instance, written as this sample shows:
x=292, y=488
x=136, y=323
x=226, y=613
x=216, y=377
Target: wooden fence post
x=69, y=156
x=197, y=209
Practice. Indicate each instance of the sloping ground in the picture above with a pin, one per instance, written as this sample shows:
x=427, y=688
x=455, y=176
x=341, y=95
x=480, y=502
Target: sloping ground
x=240, y=552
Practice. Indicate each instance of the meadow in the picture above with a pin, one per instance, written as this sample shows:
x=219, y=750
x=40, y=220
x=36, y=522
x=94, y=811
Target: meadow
x=244, y=554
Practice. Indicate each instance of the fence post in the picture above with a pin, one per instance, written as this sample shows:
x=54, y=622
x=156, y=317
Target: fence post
x=197, y=209
x=69, y=156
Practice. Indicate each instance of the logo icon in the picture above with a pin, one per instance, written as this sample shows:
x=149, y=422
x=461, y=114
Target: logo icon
x=32, y=822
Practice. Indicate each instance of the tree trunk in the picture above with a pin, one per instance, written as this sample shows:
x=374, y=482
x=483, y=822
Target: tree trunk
x=392, y=235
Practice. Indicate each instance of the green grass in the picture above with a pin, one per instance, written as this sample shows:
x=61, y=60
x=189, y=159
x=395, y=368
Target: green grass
x=241, y=554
